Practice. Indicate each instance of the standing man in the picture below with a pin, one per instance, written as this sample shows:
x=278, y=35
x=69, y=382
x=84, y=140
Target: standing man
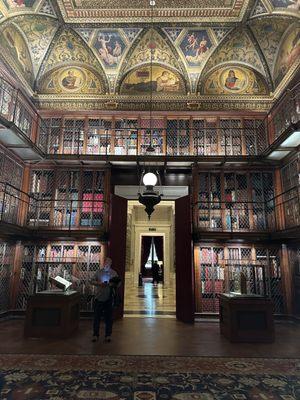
x=103, y=303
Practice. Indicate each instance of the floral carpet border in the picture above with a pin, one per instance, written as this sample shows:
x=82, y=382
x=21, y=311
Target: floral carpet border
x=145, y=364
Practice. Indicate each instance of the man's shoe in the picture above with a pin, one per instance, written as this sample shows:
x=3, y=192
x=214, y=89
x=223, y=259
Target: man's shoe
x=95, y=339
x=107, y=339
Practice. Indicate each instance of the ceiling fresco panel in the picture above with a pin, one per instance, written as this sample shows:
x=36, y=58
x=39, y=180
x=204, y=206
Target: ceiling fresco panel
x=14, y=45
x=110, y=47
x=237, y=48
x=288, y=53
x=69, y=48
x=268, y=33
x=234, y=80
x=290, y=5
x=19, y=4
x=47, y=8
x=162, y=81
x=153, y=42
x=71, y=81
x=39, y=32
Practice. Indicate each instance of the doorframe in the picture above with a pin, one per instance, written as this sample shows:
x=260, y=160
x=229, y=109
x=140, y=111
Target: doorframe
x=164, y=231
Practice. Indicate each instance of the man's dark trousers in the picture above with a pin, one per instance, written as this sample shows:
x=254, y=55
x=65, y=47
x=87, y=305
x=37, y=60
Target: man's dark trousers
x=103, y=309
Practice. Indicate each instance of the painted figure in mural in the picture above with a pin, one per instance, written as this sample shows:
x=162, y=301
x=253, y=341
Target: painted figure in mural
x=290, y=52
x=16, y=42
x=232, y=82
x=19, y=3
x=70, y=81
x=192, y=42
x=110, y=48
x=195, y=46
x=117, y=51
x=202, y=47
x=167, y=82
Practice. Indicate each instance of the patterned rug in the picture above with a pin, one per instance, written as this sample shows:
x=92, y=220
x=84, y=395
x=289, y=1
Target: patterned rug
x=38, y=377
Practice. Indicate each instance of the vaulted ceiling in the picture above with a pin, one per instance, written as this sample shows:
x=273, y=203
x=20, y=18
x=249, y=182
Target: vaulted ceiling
x=84, y=49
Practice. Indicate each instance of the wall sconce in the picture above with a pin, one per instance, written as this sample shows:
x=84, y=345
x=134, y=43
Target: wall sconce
x=149, y=198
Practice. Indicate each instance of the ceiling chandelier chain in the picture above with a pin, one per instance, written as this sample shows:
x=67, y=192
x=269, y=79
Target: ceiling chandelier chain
x=150, y=148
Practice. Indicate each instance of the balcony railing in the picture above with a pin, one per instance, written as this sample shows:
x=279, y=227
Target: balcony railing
x=17, y=109
x=284, y=113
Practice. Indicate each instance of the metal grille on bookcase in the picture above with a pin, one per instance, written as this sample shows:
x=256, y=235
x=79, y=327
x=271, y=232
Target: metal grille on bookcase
x=291, y=198
x=273, y=275
x=76, y=263
x=6, y=265
x=178, y=137
x=7, y=99
x=210, y=213
x=212, y=277
x=66, y=195
x=11, y=171
x=156, y=127
x=263, y=203
x=27, y=277
x=255, y=136
x=50, y=135
x=99, y=136
x=88, y=262
x=261, y=274
x=231, y=136
x=73, y=136
x=41, y=187
x=126, y=137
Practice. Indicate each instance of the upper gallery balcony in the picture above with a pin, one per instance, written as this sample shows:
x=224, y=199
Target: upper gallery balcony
x=25, y=215
x=19, y=123
x=113, y=135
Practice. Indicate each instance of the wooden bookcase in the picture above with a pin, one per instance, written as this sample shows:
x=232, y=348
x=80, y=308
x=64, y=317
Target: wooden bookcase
x=217, y=269
x=127, y=135
x=234, y=201
x=74, y=261
x=69, y=198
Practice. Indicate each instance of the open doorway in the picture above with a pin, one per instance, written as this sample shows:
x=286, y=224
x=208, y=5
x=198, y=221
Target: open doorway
x=150, y=259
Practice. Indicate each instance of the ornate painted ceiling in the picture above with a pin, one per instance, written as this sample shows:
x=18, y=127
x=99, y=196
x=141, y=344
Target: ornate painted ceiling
x=203, y=52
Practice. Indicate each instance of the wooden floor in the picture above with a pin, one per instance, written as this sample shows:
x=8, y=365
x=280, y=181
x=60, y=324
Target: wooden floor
x=152, y=336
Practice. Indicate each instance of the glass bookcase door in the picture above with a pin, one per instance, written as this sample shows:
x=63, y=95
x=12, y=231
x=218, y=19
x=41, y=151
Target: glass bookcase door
x=212, y=278
x=73, y=136
x=99, y=136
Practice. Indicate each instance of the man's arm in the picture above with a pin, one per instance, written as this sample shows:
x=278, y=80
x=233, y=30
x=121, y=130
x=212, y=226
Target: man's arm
x=95, y=281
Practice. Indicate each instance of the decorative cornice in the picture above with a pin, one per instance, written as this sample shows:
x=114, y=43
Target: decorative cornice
x=212, y=10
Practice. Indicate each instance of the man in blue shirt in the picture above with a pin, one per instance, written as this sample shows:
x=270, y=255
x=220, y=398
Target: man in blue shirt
x=103, y=303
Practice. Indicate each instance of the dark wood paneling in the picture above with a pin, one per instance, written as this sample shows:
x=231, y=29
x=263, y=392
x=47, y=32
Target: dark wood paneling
x=117, y=243
x=185, y=303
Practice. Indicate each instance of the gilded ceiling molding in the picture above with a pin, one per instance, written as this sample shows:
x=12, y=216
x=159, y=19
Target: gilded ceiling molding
x=136, y=10
x=214, y=104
